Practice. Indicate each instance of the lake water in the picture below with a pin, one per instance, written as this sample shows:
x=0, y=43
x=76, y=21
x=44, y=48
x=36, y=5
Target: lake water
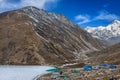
x=22, y=72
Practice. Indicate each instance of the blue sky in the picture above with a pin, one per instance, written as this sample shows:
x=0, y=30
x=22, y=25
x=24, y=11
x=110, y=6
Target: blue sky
x=83, y=12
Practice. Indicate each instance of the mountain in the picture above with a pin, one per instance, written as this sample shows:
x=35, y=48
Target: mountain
x=109, y=55
x=110, y=33
x=33, y=36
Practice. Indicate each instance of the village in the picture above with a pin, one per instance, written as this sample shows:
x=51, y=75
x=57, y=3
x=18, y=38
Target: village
x=88, y=72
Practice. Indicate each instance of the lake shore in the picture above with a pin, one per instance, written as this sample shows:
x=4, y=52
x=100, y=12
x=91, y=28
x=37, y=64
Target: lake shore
x=101, y=74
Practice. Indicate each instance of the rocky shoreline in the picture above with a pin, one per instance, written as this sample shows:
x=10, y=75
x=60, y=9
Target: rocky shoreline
x=101, y=74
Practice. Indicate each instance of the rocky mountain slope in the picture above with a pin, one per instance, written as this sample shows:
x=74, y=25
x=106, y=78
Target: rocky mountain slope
x=109, y=55
x=110, y=33
x=34, y=36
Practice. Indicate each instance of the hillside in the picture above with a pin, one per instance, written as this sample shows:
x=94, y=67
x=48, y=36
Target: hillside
x=34, y=36
x=109, y=55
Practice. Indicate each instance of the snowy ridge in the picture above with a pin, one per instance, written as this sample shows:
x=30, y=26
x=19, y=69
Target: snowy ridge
x=36, y=14
x=108, y=32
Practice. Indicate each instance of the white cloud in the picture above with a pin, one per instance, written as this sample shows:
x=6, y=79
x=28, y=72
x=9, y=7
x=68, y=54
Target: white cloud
x=6, y=5
x=82, y=19
x=37, y=3
x=105, y=15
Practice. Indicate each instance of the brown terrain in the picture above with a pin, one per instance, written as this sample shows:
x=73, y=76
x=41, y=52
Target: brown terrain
x=109, y=55
x=33, y=36
x=101, y=74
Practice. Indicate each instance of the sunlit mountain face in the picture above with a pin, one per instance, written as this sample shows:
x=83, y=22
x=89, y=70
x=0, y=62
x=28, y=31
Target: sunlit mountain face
x=110, y=33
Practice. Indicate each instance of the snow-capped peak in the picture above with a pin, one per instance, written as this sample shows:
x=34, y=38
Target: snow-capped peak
x=116, y=21
x=114, y=26
x=105, y=32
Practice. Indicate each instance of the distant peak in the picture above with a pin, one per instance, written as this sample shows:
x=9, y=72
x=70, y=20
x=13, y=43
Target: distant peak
x=116, y=21
x=110, y=32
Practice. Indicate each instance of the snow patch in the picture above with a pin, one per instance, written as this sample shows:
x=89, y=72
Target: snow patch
x=34, y=19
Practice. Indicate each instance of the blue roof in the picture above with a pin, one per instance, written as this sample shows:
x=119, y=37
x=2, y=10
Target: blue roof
x=105, y=65
x=112, y=66
x=88, y=67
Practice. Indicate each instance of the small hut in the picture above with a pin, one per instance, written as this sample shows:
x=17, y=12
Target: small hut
x=88, y=67
x=112, y=66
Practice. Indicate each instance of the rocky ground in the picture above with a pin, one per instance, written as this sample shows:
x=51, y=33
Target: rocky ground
x=101, y=74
